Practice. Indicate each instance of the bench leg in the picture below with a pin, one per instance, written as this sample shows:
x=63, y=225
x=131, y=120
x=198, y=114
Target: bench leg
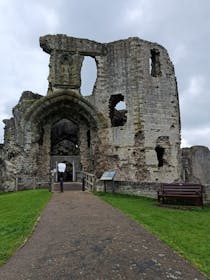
x=199, y=201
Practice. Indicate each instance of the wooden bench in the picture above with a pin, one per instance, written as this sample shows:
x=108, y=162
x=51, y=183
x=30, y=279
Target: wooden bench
x=192, y=193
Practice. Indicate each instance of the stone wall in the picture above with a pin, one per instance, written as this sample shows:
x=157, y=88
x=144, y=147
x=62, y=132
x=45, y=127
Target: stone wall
x=140, y=142
x=1, y=165
x=196, y=167
x=131, y=188
x=152, y=111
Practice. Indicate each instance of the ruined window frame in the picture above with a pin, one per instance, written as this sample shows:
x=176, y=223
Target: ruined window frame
x=87, y=67
x=121, y=119
x=154, y=63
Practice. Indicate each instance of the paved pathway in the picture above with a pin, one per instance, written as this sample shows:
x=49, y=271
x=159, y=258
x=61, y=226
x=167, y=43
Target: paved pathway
x=81, y=237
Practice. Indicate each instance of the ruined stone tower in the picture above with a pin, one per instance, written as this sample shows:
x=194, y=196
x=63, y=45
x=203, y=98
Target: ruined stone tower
x=141, y=142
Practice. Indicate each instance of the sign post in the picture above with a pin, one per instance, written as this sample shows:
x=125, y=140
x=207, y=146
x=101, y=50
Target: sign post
x=108, y=176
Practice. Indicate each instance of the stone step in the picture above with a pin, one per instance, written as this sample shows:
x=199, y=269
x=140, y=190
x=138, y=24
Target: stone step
x=68, y=186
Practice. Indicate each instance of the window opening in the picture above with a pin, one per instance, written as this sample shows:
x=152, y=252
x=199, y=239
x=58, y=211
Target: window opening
x=155, y=70
x=120, y=105
x=88, y=76
x=88, y=138
x=117, y=110
x=160, y=153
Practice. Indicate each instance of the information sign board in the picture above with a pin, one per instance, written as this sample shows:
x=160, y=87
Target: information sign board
x=108, y=176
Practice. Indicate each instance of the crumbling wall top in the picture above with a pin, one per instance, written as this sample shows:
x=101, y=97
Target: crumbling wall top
x=75, y=45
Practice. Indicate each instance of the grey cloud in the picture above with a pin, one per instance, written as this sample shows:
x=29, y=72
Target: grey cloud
x=182, y=26
x=199, y=136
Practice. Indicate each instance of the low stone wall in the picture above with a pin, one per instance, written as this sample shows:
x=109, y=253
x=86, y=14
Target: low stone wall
x=131, y=188
x=137, y=188
x=207, y=194
x=140, y=189
x=29, y=183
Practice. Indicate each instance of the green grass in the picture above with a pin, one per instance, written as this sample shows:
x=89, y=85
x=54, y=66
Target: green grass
x=186, y=231
x=18, y=213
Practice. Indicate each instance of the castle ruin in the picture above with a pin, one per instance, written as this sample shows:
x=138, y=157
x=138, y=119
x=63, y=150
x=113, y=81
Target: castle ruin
x=141, y=141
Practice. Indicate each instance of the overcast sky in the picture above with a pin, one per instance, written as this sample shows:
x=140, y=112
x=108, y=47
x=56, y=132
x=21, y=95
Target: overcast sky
x=181, y=26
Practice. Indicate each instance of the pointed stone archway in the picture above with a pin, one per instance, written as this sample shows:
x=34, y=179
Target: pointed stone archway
x=60, y=125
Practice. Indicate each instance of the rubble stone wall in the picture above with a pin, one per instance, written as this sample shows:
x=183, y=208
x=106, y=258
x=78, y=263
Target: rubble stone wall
x=140, y=141
x=152, y=111
x=196, y=167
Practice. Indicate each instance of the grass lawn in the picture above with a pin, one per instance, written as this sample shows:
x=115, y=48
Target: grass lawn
x=186, y=231
x=18, y=213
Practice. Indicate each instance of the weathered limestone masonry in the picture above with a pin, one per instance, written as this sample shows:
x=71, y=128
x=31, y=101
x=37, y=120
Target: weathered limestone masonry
x=141, y=142
x=196, y=167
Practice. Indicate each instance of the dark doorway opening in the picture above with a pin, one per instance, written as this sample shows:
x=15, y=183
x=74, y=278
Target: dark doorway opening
x=160, y=153
x=64, y=138
x=68, y=174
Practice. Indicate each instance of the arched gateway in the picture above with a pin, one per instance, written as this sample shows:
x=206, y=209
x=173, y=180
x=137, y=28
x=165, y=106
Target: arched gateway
x=140, y=141
x=56, y=130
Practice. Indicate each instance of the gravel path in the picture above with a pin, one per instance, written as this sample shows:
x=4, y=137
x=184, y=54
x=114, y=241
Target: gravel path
x=81, y=237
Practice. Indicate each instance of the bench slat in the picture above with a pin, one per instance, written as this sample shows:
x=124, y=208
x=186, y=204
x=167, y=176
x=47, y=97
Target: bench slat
x=181, y=191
